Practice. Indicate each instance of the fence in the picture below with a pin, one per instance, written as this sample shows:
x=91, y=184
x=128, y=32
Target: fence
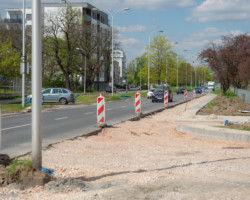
x=243, y=94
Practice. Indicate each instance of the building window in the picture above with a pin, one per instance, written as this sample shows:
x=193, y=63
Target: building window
x=28, y=17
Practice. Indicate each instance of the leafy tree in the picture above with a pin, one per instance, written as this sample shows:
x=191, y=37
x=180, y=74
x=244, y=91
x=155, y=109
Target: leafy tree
x=10, y=59
x=159, y=54
x=61, y=32
x=230, y=61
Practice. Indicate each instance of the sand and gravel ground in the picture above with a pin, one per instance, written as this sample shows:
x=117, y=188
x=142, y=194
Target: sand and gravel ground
x=146, y=159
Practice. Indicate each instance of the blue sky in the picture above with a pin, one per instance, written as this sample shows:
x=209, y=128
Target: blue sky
x=191, y=23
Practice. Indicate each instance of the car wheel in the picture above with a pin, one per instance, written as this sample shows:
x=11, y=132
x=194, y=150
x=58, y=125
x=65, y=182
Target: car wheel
x=153, y=101
x=63, y=101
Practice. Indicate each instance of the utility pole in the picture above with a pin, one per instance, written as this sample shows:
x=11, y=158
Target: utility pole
x=36, y=86
x=23, y=65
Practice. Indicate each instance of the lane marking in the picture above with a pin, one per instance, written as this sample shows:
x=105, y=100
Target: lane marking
x=88, y=113
x=61, y=118
x=109, y=109
x=15, y=127
x=124, y=106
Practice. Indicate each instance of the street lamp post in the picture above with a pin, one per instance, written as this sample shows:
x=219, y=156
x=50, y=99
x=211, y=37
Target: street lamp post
x=112, y=38
x=149, y=51
x=24, y=59
x=186, y=71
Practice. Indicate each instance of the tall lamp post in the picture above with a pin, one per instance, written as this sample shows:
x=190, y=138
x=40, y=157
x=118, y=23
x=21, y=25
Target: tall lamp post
x=186, y=70
x=112, y=62
x=176, y=68
x=23, y=64
x=149, y=51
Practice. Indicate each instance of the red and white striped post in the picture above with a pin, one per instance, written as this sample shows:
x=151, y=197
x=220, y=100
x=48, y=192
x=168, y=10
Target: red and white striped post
x=137, y=103
x=185, y=95
x=202, y=91
x=194, y=94
x=100, y=110
x=166, y=99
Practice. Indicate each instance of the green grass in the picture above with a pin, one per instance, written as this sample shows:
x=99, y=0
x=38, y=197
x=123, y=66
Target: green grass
x=229, y=93
x=16, y=163
x=211, y=105
x=82, y=99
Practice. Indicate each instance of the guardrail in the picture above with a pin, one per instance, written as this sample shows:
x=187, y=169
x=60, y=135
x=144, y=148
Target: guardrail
x=243, y=94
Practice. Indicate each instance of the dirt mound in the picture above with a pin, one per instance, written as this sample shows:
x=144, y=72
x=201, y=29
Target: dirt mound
x=222, y=105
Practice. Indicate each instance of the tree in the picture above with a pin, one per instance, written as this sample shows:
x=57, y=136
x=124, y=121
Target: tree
x=61, y=32
x=10, y=59
x=159, y=54
x=230, y=61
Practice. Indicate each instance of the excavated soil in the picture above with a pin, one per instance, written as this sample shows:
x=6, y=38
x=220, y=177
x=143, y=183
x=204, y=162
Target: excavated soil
x=226, y=106
x=145, y=159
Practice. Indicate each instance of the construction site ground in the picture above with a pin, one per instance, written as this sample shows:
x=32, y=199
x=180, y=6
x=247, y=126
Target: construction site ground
x=145, y=159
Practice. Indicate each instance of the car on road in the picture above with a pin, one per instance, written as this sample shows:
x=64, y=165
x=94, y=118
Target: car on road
x=180, y=90
x=159, y=94
x=109, y=89
x=150, y=93
x=61, y=95
x=198, y=90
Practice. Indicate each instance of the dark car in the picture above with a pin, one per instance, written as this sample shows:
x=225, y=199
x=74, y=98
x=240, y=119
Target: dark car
x=109, y=89
x=180, y=90
x=158, y=95
x=198, y=90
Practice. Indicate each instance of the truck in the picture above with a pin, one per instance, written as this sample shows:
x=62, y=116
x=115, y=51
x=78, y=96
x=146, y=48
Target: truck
x=211, y=85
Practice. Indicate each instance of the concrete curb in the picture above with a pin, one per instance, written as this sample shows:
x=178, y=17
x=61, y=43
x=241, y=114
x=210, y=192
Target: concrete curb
x=208, y=131
x=215, y=132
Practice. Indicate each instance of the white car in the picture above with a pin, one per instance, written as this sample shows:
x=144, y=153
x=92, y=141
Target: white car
x=150, y=93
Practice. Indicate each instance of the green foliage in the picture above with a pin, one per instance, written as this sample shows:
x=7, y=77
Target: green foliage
x=228, y=93
x=10, y=59
x=16, y=163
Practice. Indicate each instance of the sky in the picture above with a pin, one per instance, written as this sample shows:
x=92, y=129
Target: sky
x=193, y=24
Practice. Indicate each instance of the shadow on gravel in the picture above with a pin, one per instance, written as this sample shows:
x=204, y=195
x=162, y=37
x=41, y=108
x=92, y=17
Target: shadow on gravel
x=160, y=169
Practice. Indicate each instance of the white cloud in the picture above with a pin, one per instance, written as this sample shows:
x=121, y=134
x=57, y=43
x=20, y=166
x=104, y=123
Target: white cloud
x=200, y=40
x=221, y=10
x=131, y=29
x=158, y=4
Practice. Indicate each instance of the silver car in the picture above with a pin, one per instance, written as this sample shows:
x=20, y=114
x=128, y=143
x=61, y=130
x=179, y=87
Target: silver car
x=62, y=95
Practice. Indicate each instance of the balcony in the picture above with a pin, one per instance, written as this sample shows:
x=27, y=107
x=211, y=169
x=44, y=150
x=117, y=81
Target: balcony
x=14, y=21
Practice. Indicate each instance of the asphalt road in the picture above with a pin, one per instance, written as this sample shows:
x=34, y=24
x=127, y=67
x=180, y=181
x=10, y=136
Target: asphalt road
x=61, y=124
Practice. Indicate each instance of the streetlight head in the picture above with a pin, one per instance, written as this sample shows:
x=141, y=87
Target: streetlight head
x=160, y=31
x=126, y=8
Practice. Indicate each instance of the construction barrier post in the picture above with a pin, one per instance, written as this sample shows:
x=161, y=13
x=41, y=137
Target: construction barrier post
x=185, y=95
x=137, y=103
x=194, y=94
x=100, y=110
x=202, y=91
x=166, y=99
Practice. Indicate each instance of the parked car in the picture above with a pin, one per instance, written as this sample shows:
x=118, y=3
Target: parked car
x=150, y=93
x=109, y=89
x=159, y=94
x=180, y=90
x=61, y=95
x=198, y=90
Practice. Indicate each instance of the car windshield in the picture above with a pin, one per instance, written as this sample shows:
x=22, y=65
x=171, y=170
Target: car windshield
x=159, y=90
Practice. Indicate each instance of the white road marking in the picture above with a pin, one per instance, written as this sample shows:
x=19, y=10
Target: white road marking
x=124, y=106
x=109, y=109
x=16, y=127
x=61, y=118
x=88, y=113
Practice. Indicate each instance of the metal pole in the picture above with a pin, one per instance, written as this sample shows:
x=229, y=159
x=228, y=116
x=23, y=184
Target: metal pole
x=112, y=66
x=186, y=75
x=140, y=77
x=177, y=71
x=149, y=54
x=36, y=86
x=85, y=76
x=23, y=58
x=191, y=77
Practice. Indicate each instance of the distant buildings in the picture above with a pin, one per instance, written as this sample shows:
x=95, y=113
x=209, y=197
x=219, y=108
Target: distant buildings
x=97, y=19
x=119, y=67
